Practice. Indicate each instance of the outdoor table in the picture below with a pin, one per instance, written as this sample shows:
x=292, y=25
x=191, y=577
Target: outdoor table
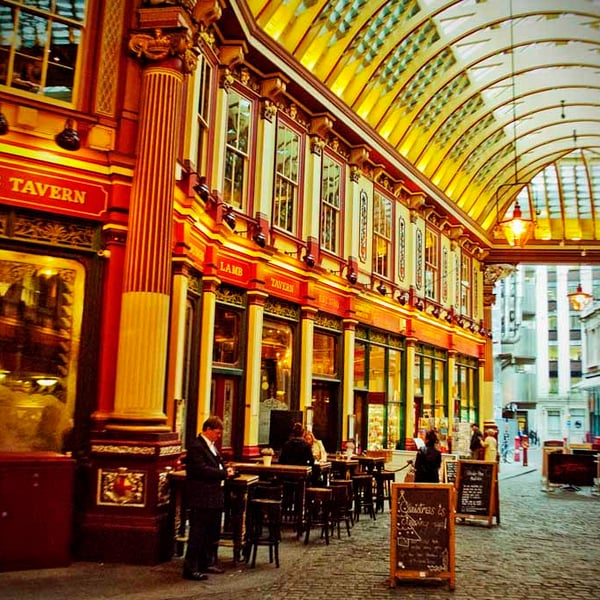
x=294, y=479
x=234, y=523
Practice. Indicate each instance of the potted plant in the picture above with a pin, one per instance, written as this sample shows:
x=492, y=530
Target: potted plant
x=267, y=455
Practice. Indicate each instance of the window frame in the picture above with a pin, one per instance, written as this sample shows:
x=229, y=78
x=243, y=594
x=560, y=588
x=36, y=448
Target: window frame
x=47, y=50
x=384, y=267
x=328, y=243
x=292, y=222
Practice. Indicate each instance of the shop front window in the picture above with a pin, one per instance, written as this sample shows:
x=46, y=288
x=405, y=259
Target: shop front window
x=41, y=303
x=276, y=373
x=226, y=348
x=325, y=354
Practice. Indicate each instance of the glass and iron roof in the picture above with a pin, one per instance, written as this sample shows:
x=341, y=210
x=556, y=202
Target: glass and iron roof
x=488, y=99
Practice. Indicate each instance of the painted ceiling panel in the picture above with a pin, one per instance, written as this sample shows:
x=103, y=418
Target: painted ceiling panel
x=481, y=96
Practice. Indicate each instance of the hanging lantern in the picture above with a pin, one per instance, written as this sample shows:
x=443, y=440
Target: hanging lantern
x=579, y=299
x=517, y=230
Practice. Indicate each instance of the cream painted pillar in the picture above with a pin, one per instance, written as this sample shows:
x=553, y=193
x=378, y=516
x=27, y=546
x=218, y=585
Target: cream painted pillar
x=307, y=327
x=175, y=402
x=144, y=326
x=410, y=388
x=452, y=389
x=256, y=310
x=207, y=340
x=348, y=378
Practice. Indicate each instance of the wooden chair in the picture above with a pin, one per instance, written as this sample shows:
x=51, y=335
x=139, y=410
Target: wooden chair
x=318, y=511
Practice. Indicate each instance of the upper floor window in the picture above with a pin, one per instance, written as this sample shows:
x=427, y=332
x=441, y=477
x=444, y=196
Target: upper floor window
x=431, y=264
x=465, y=285
x=287, y=163
x=331, y=191
x=237, y=152
x=203, y=111
x=40, y=46
x=382, y=235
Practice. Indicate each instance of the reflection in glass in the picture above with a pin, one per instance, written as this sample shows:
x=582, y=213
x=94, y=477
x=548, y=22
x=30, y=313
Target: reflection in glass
x=41, y=300
x=227, y=336
x=276, y=380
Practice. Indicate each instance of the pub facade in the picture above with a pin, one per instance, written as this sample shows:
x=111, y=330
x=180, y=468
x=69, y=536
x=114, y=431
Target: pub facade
x=187, y=231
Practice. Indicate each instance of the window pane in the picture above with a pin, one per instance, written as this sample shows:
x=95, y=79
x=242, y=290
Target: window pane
x=325, y=354
x=286, y=178
x=41, y=300
x=39, y=50
x=330, y=204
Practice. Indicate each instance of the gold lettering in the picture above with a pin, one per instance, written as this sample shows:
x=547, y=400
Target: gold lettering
x=46, y=190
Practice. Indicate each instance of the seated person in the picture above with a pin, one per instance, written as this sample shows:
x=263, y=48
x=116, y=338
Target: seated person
x=296, y=451
x=316, y=446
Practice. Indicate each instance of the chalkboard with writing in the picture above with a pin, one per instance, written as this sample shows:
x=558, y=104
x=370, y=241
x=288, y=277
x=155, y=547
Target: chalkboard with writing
x=449, y=468
x=476, y=491
x=422, y=532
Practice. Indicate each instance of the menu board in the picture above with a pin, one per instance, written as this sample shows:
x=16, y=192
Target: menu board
x=450, y=468
x=476, y=482
x=422, y=532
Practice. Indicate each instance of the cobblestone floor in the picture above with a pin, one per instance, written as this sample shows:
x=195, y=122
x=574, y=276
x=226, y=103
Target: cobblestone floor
x=546, y=547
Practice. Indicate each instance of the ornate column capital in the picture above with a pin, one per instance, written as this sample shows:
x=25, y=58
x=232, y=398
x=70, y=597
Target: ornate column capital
x=163, y=45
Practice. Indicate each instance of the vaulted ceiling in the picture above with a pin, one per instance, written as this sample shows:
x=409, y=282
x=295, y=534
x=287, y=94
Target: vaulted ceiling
x=487, y=99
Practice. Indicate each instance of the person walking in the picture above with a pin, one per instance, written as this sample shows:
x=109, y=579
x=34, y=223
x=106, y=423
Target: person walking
x=205, y=481
x=490, y=446
x=429, y=460
x=476, y=444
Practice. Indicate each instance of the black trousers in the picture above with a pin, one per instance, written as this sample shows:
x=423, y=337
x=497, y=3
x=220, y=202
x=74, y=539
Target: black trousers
x=203, y=538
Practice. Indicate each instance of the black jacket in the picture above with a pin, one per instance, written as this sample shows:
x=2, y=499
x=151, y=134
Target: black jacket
x=205, y=474
x=427, y=465
x=296, y=451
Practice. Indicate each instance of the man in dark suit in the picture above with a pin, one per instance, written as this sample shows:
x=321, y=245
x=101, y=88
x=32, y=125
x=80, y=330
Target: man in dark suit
x=205, y=480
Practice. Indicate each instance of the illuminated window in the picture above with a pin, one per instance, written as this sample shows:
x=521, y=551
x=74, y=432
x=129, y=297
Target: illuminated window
x=41, y=306
x=40, y=46
x=431, y=264
x=331, y=191
x=239, y=124
x=204, y=75
x=287, y=161
x=382, y=235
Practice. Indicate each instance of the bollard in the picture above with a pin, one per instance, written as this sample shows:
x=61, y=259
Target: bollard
x=525, y=445
x=517, y=457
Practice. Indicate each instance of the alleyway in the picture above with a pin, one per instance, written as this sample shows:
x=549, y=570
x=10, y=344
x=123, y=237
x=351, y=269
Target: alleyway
x=546, y=547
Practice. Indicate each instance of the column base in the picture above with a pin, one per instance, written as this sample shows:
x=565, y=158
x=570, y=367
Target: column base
x=128, y=516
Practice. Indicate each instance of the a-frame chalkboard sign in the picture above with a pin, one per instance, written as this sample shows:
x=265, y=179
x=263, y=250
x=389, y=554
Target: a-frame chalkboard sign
x=477, y=490
x=422, y=532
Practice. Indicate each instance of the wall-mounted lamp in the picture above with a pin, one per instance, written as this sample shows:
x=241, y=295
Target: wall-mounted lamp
x=381, y=289
x=403, y=297
x=68, y=138
x=3, y=123
x=312, y=250
x=201, y=188
x=228, y=215
x=309, y=259
x=258, y=236
x=352, y=270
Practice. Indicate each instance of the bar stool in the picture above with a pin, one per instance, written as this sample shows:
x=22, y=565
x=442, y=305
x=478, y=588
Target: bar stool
x=383, y=482
x=318, y=511
x=341, y=508
x=363, y=495
x=264, y=528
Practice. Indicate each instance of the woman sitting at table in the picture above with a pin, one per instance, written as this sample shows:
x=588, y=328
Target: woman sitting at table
x=296, y=451
x=318, y=449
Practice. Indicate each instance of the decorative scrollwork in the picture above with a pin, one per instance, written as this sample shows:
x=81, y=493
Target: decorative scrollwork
x=162, y=45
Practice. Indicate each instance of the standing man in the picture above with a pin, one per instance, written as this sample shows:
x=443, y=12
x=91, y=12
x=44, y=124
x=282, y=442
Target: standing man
x=205, y=480
x=476, y=442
